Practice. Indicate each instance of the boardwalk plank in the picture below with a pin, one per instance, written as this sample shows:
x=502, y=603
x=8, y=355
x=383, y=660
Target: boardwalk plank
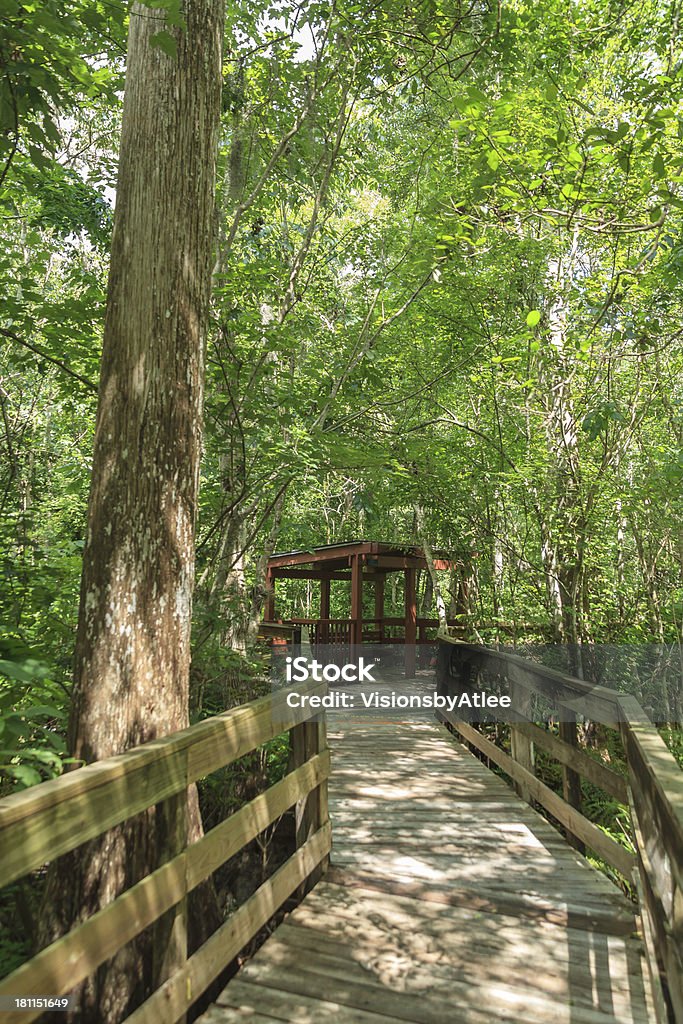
x=449, y=901
x=586, y=915
x=467, y=961
x=464, y=1002
x=413, y=978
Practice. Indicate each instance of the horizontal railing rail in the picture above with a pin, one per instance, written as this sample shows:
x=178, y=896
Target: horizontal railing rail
x=652, y=791
x=339, y=631
x=280, y=632
x=54, y=818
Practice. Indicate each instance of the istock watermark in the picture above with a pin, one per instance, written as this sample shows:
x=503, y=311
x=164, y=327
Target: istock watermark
x=354, y=684
x=391, y=681
x=392, y=700
x=300, y=669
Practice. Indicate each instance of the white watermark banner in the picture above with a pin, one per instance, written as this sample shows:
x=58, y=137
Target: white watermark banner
x=409, y=683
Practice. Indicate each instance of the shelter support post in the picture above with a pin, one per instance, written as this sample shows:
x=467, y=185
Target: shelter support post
x=380, y=580
x=356, y=600
x=410, y=623
x=325, y=610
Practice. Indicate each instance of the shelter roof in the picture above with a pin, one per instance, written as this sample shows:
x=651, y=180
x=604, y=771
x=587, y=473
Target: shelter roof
x=378, y=555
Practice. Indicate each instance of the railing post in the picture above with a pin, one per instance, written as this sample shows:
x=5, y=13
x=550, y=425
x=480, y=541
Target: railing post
x=311, y=812
x=571, y=780
x=356, y=601
x=325, y=585
x=521, y=747
x=170, y=931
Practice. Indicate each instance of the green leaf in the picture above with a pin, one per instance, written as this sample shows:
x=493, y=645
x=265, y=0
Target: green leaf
x=38, y=157
x=533, y=317
x=27, y=671
x=38, y=710
x=658, y=166
x=24, y=774
x=477, y=95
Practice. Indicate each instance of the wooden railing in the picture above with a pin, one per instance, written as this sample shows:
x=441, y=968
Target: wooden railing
x=280, y=632
x=41, y=824
x=388, y=629
x=653, y=789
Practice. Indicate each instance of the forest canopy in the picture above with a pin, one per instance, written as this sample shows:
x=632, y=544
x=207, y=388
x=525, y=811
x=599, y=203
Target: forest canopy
x=446, y=301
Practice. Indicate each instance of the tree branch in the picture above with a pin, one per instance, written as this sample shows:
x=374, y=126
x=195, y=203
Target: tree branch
x=48, y=358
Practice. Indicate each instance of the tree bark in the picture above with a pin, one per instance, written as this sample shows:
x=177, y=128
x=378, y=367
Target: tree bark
x=133, y=643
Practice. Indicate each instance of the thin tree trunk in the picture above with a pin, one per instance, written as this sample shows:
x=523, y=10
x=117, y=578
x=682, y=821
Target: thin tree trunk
x=429, y=558
x=133, y=644
x=648, y=568
x=427, y=597
x=552, y=584
x=259, y=591
x=498, y=582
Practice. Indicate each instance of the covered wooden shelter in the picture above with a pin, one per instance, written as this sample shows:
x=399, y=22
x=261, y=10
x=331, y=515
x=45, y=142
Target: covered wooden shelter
x=361, y=562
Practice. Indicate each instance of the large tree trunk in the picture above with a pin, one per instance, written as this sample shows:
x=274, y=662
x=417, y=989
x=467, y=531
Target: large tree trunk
x=133, y=643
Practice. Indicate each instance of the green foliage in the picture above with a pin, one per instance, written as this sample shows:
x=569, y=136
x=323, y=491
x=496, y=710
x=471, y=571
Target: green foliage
x=64, y=202
x=45, y=71
x=32, y=724
x=674, y=740
x=15, y=943
x=225, y=791
x=443, y=281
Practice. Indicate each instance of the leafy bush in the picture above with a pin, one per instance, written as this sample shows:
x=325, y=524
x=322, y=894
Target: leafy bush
x=33, y=714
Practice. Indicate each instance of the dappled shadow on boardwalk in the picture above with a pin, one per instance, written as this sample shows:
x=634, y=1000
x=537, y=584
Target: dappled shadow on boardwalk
x=449, y=900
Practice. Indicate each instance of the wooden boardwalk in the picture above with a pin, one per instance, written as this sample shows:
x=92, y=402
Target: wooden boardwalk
x=449, y=901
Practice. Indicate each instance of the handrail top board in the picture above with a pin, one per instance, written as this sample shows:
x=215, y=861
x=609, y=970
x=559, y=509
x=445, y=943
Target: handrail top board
x=155, y=750
x=653, y=767
x=535, y=668
x=26, y=843
x=624, y=703
x=50, y=819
